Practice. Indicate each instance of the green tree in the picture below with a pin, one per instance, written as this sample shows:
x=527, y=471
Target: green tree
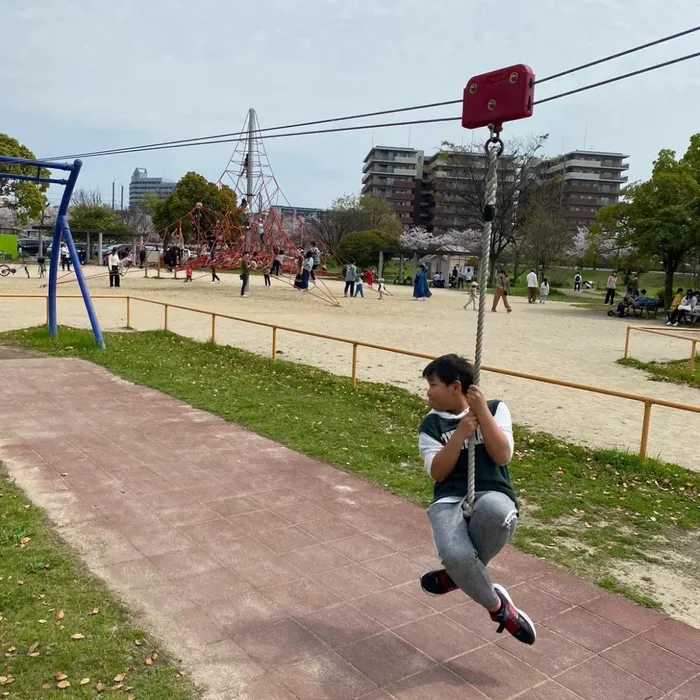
x=25, y=199
x=661, y=217
x=190, y=190
x=364, y=246
x=350, y=214
x=88, y=213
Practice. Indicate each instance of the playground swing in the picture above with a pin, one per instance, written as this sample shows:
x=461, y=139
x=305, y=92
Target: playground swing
x=25, y=170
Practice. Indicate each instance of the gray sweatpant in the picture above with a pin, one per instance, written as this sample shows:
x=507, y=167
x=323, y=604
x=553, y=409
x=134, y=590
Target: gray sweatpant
x=465, y=548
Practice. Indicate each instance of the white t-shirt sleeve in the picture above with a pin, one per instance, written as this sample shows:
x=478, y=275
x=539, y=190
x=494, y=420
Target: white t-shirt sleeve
x=505, y=423
x=428, y=448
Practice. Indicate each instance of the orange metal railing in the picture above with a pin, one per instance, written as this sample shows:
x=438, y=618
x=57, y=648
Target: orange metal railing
x=647, y=401
x=668, y=333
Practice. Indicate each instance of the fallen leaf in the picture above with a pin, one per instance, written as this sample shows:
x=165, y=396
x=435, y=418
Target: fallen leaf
x=60, y=676
x=3, y=680
x=11, y=649
x=63, y=684
x=119, y=678
x=119, y=686
x=154, y=656
x=64, y=474
x=77, y=636
x=33, y=647
x=60, y=615
x=149, y=661
x=25, y=540
x=42, y=622
x=34, y=654
x=138, y=642
x=131, y=697
x=85, y=681
x=46, y=686
x=94, y=611
x=100, y=687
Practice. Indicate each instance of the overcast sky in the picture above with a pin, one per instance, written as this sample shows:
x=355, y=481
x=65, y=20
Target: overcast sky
x=82, y=75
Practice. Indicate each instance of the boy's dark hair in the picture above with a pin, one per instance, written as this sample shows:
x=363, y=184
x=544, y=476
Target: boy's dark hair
x=679, y=290
x=450, y=369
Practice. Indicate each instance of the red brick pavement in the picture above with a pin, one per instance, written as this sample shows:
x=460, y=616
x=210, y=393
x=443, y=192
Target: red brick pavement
x=275, y=577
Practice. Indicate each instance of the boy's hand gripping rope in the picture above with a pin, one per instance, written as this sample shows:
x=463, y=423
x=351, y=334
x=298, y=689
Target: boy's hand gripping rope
x=493, y=148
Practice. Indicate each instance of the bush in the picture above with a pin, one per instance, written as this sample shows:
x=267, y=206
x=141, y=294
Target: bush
x=364, y=246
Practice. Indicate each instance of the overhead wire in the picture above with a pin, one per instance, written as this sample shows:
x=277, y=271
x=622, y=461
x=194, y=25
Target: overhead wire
x=225, y=138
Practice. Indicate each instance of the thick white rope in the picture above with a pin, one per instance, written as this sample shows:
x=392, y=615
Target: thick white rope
x=493, y=149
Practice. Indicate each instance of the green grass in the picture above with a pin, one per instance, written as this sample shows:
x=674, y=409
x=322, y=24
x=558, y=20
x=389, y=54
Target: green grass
x=585, y=509
x=675, y=372
x=47, y=597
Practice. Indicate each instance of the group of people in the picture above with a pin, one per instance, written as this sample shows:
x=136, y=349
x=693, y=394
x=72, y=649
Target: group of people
x=355, y=281
x=684, y=308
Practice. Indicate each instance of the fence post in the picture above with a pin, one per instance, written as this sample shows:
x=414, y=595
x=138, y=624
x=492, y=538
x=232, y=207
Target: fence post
x=627, y=341
x=692, y=357
x=645, y=431
x=165, y=317
x=128, y=312
x=274, y=343
x=354, y=364
x=213, y=328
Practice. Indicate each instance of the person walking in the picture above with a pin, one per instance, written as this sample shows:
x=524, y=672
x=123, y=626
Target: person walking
x=502, y=292
x=532, y=287
x=544, y=291
x=350, y=279
x=611, y=286
x=113, y=266
x=577, y=282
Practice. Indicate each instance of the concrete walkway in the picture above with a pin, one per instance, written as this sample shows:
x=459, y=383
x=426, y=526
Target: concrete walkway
x=275, y=577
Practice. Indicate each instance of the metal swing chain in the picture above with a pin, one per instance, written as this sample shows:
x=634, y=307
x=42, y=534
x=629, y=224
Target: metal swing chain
x=493, y=148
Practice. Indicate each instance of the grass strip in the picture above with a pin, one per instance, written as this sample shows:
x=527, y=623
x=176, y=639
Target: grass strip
x=61, y=632
x=585, y=509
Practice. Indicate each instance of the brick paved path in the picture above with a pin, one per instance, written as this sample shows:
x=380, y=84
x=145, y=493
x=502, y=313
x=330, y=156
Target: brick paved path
x=276, y=577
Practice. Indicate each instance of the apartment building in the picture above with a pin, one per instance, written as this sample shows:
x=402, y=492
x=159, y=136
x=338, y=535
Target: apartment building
x=590, y=180
x=141, y=185
x=395, y=174
x=453, y=189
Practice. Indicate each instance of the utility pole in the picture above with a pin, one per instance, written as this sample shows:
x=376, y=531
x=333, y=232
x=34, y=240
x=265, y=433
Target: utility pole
x=249, y=173
x=122, y=205
x=113, y=184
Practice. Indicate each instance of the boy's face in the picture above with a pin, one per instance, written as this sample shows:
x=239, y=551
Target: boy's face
x=445, y=397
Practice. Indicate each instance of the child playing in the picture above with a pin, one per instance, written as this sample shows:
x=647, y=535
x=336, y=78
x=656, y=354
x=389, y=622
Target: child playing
x=266, y=275
x=188, y=274
x=459, y=410
x=359, y=289
x=544, y=291
x=472, y=296
x=381, y=288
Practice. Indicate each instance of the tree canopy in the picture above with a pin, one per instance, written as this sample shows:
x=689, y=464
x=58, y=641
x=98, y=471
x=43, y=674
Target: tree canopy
x=351, y=214
x=88, y=213
x=190, y=190
x=25, y=199
x=661, y=217
x=364, y=246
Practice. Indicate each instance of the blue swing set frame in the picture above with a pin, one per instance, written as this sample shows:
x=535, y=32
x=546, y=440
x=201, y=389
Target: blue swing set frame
x=61, y=232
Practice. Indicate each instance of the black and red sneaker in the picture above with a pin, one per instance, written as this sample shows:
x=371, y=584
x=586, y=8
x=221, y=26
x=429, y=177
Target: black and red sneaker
x=512, y=619
x=437, y=582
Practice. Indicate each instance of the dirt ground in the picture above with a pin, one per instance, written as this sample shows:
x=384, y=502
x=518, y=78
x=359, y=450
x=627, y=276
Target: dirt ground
x=555, y=340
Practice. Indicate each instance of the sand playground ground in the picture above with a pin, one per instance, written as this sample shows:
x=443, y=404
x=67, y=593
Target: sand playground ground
x=556, y=340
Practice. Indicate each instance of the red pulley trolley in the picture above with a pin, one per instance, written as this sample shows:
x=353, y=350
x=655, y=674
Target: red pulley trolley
x=499, y=96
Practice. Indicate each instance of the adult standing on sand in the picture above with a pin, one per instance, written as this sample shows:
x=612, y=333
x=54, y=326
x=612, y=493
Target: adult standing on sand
x=532, y=287
x=611, y=286
x=502, y=292
x=421, y=288
x=350, y=279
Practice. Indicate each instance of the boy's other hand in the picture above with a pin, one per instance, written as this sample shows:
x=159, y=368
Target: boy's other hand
x=468, y=425
x=476, y=401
